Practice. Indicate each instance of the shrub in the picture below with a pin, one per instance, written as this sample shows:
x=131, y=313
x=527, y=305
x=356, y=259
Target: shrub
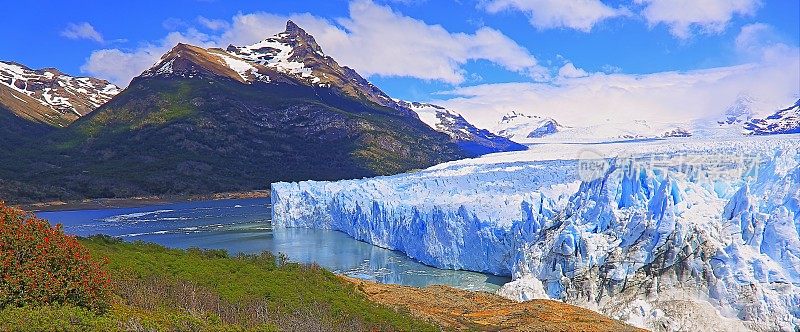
x=41, y=265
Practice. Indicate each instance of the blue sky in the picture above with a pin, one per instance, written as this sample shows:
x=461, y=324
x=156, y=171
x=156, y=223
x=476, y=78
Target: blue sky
x=507, y=41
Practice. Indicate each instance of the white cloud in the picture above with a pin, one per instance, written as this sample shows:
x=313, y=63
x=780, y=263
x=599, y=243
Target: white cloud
x=761, y=42
x=374, y=40
x=82, y=30
x=751, y=36
x=402, y=46
x=665, y=96
x=250, y=28
x=685, y=16
x=212, y=24
x=569, y=70
x=545, y=14
x=120, y=66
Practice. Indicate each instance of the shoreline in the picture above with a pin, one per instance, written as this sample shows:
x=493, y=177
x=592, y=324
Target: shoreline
x=112, y=203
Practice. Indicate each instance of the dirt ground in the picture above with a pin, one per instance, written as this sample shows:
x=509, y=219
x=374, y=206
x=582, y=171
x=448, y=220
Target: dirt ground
x=455, y=309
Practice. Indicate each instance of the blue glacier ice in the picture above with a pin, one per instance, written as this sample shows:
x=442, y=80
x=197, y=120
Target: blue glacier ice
x=665, y=237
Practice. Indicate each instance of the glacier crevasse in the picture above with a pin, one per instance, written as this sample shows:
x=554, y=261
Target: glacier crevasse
x=651, y=245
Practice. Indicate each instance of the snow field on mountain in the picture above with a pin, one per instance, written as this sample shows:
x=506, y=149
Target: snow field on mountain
x=59, y=92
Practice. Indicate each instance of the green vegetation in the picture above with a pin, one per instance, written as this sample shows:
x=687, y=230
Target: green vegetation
x=175, y=107
x=39, y=265
x=207, y=135
x=119, y=318
x=189, y=290
x=15, y=131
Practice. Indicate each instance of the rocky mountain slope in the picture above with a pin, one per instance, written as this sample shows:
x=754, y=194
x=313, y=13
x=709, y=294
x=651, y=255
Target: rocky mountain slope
x=34, y=103
x=295, y=52
x=515, y=125
x=471, y=139
x=785, y=121
x=49, y=96
x=212, y=120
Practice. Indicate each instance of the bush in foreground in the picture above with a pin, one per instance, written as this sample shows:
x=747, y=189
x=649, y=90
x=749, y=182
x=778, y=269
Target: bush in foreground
x=40, y=265
x=153, y=288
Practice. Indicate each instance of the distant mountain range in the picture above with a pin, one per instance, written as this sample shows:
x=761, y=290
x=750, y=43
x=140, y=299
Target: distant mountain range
x=515, y=125
x=202, y=121
x=473, y=140
x=212, y=120
x=533, y=128
x=785, y=121
x=741, y=118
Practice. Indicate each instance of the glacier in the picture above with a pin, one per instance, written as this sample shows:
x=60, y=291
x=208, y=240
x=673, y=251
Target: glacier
x=668, y=234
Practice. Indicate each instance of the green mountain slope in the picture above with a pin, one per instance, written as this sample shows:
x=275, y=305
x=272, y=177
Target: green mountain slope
x=203, y=121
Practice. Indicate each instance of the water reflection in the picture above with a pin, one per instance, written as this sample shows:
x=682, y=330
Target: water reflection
x=244, y=226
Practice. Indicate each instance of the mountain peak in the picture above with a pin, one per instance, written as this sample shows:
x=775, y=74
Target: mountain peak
x=517, y=125
x=739, y=112
x=49, y=96
x=299, y=39
x=292, y=55
x=180, y=48
x=295, y=52
x=291, y=27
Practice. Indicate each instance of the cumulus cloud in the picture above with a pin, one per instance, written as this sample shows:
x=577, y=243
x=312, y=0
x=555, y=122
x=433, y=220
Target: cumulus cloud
x=403, y=46
x=664, y=96
x=580, y=15
x=82, y=30
x=761, y=42
x=705, y=16
x=212, y=24
x=374, y=40
x=119, y=66
x=569, y=70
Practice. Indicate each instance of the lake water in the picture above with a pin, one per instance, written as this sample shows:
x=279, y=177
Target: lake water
x=245, y=226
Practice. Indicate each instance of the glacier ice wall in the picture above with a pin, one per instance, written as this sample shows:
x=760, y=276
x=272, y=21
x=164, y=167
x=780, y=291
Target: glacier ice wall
x=428, y=216
x=654, y=246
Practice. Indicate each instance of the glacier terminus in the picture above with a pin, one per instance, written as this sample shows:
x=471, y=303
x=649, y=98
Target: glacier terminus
x=666, y=234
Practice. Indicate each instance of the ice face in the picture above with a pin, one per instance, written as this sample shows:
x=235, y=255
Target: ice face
x=649, y=242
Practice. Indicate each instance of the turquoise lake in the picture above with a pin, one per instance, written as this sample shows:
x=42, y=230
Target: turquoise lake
x=244, y=225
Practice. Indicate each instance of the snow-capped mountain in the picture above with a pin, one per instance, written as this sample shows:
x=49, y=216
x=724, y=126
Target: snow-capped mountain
x=740, y=112
x=50, y=96
x=515, y=125
x=622, y=130
x=470, y=138
x=681, y=235
x=292, y=56
x=785, y=121
x=530, y=128
x=209, y=120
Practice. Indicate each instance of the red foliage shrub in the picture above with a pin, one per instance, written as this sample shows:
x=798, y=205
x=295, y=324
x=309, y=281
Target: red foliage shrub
x=39, y=264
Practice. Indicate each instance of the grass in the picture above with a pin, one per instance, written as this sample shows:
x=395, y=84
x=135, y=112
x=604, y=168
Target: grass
x=162, y=289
